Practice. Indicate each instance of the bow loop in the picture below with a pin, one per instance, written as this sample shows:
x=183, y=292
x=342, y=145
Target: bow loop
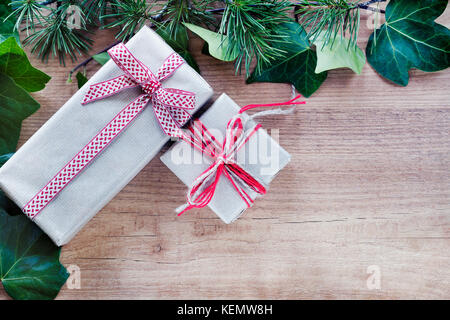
x=132, y=67
x=173, y=62
x=233, y=134
x=176, y=98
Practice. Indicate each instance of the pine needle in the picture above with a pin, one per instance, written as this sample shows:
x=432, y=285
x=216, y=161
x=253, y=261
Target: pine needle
x=57, y=39
x=250, y=27
x=330, y=18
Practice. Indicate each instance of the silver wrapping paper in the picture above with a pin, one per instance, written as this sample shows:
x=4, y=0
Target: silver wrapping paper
x=262, y=157
x=74, y=125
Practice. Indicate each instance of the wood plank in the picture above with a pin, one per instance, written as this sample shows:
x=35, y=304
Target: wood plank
x=368, y=185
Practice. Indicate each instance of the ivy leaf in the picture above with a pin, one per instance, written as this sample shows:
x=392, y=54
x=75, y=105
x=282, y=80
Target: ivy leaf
x=180, y=43
x=14, y=63
x=5, y=203
x=7, y=27
x=410, y=39
x=29, y=261
x=218, y=44
x=15, y=105
x=338, y=54
x=81, y=79
x=101, y=58
x=9, y=206
x=4, y=158
x=298, y=64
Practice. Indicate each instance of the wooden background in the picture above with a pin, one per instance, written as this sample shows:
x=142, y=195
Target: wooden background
x=368, y=185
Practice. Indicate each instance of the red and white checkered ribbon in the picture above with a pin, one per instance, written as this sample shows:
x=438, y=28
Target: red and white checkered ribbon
x=169, y=105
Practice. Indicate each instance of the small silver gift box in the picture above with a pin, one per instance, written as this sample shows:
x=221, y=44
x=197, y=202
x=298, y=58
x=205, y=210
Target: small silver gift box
x=74, y=125
x=261, y=156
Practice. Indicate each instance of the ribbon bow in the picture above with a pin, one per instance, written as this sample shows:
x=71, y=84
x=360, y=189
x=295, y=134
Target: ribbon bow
x=224, y=158
x=169, y=104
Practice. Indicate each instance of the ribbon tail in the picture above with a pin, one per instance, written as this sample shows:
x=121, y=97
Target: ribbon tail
x=236, y=182
x=181, y=116
x=182, y=209
x=200, y=138
x=271, y=105
x=202, y=189
x=108, y=88
x=166, y=121
x=247, y=178
x=176, y=98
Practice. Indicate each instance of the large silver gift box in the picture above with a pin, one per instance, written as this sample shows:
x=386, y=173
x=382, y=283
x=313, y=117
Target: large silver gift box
x=74, y=125
x=261, y=156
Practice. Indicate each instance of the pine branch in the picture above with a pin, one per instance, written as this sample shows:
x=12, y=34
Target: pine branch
x=250, y=29
x=130, y=16
x=178, y=12
x=95, y=9
x=27, y=12
x=329, y=18
x=56, y=38
x=250, y=25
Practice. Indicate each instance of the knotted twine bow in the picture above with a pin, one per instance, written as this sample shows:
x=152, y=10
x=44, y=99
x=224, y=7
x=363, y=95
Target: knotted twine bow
x=224, y=155
x=168, y=104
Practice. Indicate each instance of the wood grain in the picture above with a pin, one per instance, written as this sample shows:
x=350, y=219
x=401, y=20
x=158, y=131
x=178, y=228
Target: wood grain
x=368, y=185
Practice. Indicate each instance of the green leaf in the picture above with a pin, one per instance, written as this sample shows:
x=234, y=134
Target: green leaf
x=4, y=158
x=7, y=27
x=29, y=261
x=15, y=105
x=81, y=79
x=180, y=43
x=218, y=44
x=101, y=58
x=14, y=63
x=410, y=39
x=9, y=206
x=296, y=67
x=338, y=54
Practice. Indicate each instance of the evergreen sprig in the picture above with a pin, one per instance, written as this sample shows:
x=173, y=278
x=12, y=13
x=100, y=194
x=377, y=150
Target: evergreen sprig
x=27, y=12
x=329, y=18
x=57, y=38
x=250, y=26
x=95, y=9
x=176, y=12
x=129, y=15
